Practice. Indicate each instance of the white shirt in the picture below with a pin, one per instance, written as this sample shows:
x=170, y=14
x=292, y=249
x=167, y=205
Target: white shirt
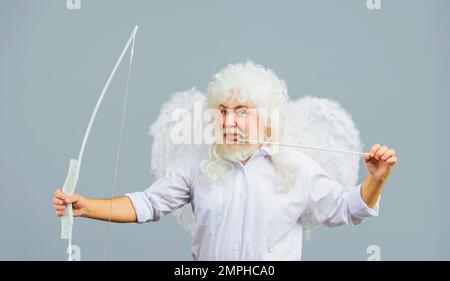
x=241, y=217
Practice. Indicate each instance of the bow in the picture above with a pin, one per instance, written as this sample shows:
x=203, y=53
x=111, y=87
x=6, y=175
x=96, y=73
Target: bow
x=71, y=180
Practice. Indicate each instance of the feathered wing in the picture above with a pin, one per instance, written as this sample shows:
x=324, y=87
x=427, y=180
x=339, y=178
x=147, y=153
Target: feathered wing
x=312, y=122
x=165, y=151
x=319, y=122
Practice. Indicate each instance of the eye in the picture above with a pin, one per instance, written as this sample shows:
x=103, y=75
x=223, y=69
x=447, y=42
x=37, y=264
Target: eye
x=223, y=112
x=241, y=112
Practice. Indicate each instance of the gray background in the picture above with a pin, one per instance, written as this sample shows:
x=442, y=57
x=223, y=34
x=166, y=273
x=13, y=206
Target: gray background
x=389, y=68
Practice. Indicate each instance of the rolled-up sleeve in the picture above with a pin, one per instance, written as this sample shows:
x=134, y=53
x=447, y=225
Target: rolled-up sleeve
x=358, y=208
x=142, y=206
x=332, y=204
x=166, y=194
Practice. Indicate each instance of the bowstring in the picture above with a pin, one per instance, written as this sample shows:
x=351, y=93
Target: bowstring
x=118, y=153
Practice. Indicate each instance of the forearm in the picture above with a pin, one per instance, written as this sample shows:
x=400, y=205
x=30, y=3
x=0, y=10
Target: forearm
x=371, y=190
x=118, y=209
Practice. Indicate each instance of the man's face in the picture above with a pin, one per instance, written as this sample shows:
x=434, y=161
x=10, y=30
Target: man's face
x=239, y=122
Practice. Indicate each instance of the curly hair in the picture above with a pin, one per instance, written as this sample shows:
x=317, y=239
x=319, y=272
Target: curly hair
x=261, y=88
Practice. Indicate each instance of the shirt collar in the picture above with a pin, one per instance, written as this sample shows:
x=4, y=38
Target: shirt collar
x=265, y=149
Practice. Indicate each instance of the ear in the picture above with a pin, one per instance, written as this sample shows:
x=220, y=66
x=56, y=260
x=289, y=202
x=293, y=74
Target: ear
x=269, y=132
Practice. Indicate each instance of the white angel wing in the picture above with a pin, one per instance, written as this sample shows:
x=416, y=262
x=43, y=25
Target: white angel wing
x=165, y=151
x=319, y=122
x=324, y=123
x=312, y=122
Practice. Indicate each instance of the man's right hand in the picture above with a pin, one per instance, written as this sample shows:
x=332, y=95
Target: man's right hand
x=118, y=209
x=60, y=201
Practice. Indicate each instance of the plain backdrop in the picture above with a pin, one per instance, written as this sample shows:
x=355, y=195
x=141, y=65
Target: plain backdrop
x=388, y=68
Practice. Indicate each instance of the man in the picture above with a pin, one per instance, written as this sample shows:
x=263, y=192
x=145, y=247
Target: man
x=251, y=201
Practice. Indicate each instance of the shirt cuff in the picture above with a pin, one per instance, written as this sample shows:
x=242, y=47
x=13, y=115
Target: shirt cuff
x=358, y=208
x=142, y=206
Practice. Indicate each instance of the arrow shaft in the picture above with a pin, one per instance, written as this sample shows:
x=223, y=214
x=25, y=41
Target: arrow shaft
x=308, y=147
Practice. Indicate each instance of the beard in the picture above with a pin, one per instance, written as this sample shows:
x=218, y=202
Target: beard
x=232, y=149
x=235, y=152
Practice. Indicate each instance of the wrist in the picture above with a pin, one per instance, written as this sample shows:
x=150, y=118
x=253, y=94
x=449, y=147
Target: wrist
x=86, y=203
x=371, y=190
x=376, y=182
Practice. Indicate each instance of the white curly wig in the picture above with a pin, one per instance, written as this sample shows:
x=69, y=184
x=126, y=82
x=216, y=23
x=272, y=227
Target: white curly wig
x=262, y=89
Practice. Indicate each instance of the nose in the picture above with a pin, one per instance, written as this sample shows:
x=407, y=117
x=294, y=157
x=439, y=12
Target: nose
x=230, y=119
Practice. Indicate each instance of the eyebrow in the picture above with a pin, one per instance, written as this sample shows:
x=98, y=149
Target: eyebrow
x=237, y=107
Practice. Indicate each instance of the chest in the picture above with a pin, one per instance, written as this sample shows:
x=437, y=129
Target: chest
x=246, y=191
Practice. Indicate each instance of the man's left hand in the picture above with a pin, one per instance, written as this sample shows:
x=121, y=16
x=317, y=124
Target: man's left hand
x=379, y=162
